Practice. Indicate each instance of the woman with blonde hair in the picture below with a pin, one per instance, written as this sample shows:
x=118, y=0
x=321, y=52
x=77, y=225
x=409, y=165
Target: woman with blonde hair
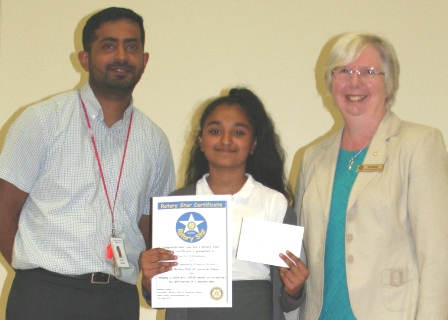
x=373, y=199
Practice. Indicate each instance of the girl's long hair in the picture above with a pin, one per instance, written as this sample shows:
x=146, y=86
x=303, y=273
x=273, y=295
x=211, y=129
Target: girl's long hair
x=266, y=164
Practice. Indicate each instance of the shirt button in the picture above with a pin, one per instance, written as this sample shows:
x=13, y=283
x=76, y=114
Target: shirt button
x=349, y=238
x=350, y=259
x=350, y=217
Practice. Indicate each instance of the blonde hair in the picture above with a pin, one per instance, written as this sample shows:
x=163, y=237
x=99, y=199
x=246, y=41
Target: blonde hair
x=349, y=47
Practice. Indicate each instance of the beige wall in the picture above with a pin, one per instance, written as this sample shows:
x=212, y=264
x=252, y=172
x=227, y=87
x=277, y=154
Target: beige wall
x=200, y=48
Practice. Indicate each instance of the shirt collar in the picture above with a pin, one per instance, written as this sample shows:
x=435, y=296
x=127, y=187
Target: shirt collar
x=93, y=107
x=203, y=188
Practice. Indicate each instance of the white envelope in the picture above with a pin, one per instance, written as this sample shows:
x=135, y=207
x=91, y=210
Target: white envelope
x=262, y=241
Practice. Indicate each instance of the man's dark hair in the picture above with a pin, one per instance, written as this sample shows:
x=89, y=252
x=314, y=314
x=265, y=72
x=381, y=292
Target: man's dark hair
x=108, y=15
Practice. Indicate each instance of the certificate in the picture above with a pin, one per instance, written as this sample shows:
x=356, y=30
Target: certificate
x=197, y=229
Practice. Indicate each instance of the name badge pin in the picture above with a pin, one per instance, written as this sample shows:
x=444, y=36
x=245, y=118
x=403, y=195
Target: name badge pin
x=370, y=168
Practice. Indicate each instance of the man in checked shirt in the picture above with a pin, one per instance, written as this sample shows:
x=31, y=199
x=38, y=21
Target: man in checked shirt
x=76, y=176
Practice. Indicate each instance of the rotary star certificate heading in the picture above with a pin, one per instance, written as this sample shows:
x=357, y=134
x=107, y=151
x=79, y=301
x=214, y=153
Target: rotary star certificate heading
x=197, y=229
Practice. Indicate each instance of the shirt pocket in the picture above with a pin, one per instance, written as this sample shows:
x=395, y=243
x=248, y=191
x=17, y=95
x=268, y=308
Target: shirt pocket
x=399, y=289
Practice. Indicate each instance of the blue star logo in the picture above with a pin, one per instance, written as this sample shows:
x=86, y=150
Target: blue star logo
x=191, y=227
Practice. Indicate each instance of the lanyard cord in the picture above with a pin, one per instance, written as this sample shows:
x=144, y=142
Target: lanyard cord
x=112, y=209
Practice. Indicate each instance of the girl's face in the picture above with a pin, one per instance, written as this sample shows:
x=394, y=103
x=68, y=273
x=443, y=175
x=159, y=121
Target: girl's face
x=227, y=138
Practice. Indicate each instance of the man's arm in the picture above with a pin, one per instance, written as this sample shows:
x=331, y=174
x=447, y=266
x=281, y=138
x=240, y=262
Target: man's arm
x=11, y=203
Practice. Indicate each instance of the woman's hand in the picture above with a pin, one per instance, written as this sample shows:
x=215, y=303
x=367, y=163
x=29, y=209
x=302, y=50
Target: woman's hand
x=294, y=276
x=153, y=262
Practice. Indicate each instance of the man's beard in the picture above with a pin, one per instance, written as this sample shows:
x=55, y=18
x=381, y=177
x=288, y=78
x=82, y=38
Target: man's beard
x=116, y=82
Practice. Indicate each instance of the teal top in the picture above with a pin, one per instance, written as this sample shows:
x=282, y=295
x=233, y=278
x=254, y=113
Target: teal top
x=336, y=301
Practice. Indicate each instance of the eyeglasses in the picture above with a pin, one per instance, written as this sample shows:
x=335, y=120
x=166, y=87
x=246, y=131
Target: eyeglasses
x=343, y=73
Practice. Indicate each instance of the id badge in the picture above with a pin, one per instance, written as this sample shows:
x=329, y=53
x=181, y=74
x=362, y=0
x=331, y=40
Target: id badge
x=120, y=258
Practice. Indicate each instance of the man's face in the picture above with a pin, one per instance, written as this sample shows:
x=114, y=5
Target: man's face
x=116, y=59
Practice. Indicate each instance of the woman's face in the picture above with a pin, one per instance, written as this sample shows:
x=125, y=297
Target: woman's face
x=227, y=138
x=359, y=97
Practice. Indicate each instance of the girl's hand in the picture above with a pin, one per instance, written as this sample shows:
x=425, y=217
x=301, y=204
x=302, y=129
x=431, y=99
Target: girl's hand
x=153, y=262
x=294, y=276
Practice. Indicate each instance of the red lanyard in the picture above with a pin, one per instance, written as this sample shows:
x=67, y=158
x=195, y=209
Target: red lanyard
x=112, y=209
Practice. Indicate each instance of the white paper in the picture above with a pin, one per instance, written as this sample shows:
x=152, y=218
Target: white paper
x=262, y=241
x=197, y=229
